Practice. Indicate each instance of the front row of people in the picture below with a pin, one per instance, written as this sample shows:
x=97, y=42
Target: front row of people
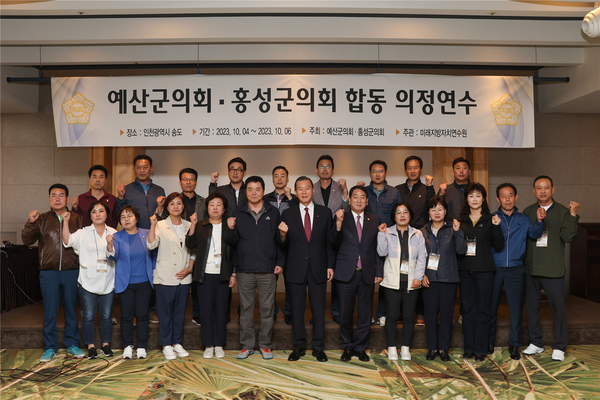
x=253, y=245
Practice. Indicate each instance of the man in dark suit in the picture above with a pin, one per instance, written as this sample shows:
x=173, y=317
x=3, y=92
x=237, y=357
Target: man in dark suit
x=305, y=229
x=235, y=191
x=357, y=269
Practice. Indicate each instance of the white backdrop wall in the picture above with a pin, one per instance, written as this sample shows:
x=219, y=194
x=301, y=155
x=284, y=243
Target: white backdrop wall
x=351, y=163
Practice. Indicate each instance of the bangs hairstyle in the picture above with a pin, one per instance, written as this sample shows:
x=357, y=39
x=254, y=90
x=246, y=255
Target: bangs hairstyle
x=169, y=199
x=326, y=157
x=94, y=204
x=132, y=210
x=475, y=187
x=97, y=167
x=217, y=195
x=413, y=158
x=361, y=188
x=255, y=179
x=237, y=160
x=303, y=178
x=505, y=185
x=188, y=171
x=408, y=207
x=59, y=186
x=435, y=200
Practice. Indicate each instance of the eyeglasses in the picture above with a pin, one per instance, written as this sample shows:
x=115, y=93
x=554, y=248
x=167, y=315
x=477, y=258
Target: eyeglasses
x=60, y=195
x=188, y=180
x=127, y=217
x=238, y=170
x=325, y=166
x=402, y=212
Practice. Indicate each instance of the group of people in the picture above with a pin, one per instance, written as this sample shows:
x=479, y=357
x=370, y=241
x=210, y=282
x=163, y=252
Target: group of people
x=419, y=246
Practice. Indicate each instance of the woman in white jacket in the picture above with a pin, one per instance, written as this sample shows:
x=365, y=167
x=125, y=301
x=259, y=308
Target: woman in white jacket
x=96, y=281
x=404, y=249
x=172, y=277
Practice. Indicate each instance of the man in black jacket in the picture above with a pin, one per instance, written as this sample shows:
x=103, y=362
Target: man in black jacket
x=235, y=191
x=305, y=229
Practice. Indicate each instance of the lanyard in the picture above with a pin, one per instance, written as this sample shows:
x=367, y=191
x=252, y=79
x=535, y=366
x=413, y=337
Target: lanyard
x=437, y=242
x=547, y=219
x=96, y=242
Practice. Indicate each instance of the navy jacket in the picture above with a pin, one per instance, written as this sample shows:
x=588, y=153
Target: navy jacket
x=450, y=243
x=145, y=204
x=418, y=198
x=455, y=197
x=515, y=234
x=257, y=248
x=382, y=205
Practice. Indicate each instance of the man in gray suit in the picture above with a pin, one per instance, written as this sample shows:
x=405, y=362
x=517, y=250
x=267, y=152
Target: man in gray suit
x=333, y=195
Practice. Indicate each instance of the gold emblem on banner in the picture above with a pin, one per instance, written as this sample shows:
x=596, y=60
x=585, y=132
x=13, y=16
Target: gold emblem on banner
x=77, y=109
x=507, y=111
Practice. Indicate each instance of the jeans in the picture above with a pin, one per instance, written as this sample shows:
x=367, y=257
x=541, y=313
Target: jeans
x=90, y=302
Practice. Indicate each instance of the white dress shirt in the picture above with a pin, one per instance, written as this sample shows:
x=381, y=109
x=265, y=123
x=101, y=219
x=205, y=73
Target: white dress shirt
x=311, y=213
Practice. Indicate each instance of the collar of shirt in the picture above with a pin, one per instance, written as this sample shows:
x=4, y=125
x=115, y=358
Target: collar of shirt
x=146, y=187
x=311, y=213
x=89, y=194
x=258, y=214
x=362, y=217
x=547, y=207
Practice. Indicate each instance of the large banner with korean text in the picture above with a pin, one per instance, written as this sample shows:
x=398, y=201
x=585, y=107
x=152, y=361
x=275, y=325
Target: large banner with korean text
x=245, y=110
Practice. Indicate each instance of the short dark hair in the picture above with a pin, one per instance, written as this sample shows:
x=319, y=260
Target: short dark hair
x=408, y=207
x=132, y=210
x=169, y=199
x=94, y=204
x=435, y=200
x=142, y=157
x=505, y=185
x=238, y=160
x=255, y=179
x=303, y=178
x=58, y=186
x=97, y=167
x=325, y=157
x=188, y=171
x=280, y=167
x=537, y=179
x=361, y=188
x=475, y=187
x=461, y=159
x=378, y=162
x=413, y=158
x=217, y=195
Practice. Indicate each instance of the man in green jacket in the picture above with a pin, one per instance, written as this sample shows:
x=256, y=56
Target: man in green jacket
x=545, y=266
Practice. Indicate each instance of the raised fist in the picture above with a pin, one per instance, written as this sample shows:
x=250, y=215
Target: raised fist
x=121, y=191
x=574, y=206
x=231, y=222
x=428, y=180
x=361, y=183
x=109, y=239
x=66, y=216
x=75, y=202
x=214, y=177
x=342, y=183
x=161, y=201
x=34, y=215
x=153, y=220
x=382, y=228
x=443, y=187
x=455, y=225
x=496, y=220
x=283, y=228
x=339, y=217
x=194, y=219
x=541, y=214
x=287, y=192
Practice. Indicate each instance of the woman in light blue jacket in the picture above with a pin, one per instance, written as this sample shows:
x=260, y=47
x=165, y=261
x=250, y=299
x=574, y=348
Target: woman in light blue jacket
x=404, y=249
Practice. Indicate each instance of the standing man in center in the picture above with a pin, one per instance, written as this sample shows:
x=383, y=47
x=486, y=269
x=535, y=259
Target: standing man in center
x=454, y=193
x=259, y=259
x=333, y=195
x=235, y=191
x=357, y=269
x=305, y=230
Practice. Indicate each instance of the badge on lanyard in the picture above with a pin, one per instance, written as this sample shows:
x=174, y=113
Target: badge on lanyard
x=404, y=267
x=102, y=265
x=434, y=261
x=543, y=240
x=218, y=260
x=471, y=247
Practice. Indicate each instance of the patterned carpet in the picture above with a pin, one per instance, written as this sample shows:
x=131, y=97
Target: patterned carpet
x=538, y=377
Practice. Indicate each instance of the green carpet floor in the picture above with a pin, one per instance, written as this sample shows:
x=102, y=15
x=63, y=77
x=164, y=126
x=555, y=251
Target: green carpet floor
x=538, y=377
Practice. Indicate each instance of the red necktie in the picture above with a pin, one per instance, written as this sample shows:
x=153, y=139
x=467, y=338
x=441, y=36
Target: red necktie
x=359, y=230
x=307, y=224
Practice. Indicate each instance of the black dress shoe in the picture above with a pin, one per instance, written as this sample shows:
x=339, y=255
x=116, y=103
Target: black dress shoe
x=431, y=355
x=444, y=356
x=468, y=355
x=347, y=355
x=311, y=320
x=296, y=354
x=479, y=357
x=363, y=356
x=288, y=319
x=515, y=354
x=336, y=318
x=320, y=355
x=490, y=349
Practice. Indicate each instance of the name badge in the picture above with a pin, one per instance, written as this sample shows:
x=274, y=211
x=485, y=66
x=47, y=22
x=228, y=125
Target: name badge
x=404, y=267
x=434, y=261
x=102, y=265
x=543, y=240
x=217, y=261
x=471, y=247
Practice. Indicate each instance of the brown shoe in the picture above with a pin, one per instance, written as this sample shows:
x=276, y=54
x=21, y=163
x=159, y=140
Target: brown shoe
x=153, y=317
x=420, y=320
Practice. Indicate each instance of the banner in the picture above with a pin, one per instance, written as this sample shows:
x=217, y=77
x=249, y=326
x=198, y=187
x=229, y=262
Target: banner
x=246, y=110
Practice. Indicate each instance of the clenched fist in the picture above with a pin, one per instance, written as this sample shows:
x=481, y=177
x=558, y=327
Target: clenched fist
x=214, y=177
x=382, y=228
x=75, y=202
x=541, y=214
x=194, y=218
x=231, y=222
x=33, y=216
x=456, y=225
x=283, y=229
x=443, y=187
x=574, y=206
x=153, y=221
x=339, y=217
x=428, y=180
x=121, y=191
x=496, y=220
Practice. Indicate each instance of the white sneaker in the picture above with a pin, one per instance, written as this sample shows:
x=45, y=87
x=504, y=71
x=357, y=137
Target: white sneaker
x=392, y=353
x=405, y=353
x=219, y=353
x=140, y=353
x=460, y=319
x=209, y=352
x=558, y=355
x=381, y=321
x=533, y=349
x=128, y=352
x=180, y=351
x=169, y=353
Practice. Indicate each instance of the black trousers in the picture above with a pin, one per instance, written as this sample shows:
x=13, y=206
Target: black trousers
x=213, y=298
x=351, y=293
x=394, y=299
x=556, y=290
x=134, y=302
x=317, y=294
x=475, y=297
x=438, y=299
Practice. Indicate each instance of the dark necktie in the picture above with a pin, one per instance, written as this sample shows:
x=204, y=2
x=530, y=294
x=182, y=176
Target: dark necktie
x=307, y=224
x=359, y=230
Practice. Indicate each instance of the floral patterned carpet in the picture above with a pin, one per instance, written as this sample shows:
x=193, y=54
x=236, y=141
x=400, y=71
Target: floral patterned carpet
x=498, y=377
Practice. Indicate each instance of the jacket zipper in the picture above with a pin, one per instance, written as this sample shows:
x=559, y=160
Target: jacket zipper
x=60, y=243
x=507, y=237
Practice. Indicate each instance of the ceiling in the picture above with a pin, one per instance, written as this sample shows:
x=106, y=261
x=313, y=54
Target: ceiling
x=100, y=38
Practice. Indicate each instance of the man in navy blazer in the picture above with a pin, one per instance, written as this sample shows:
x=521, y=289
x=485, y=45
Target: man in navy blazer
x=357, y=269
x=304, y=230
